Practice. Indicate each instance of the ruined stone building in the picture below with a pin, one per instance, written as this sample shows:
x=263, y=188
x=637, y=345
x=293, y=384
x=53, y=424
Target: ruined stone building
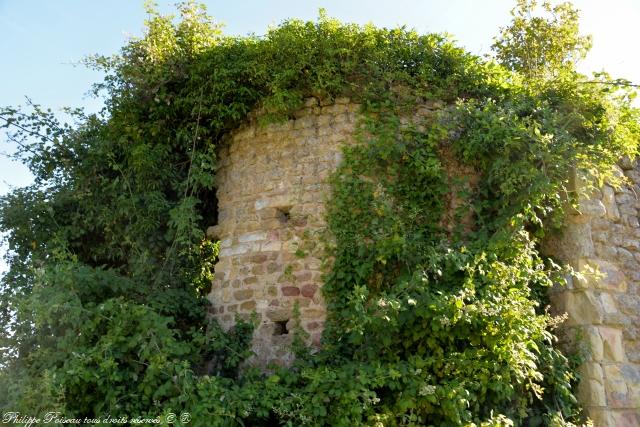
x=272, y=184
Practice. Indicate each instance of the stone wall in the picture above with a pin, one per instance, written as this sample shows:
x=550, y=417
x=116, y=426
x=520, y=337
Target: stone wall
x=602, y=243
x=272, y=184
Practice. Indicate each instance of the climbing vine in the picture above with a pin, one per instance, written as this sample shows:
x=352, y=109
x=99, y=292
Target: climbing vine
x=436, y=287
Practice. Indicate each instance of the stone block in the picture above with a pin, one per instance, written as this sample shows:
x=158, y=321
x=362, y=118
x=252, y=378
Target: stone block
x=600, y=417
x=258, y=258
x=631, y=221
x=608, y=304
x=248, y=306
x=235, y=250
x=273, y=267
x=271, y=246
x=628, y=210
x=278, y=315
x=243, y=294
x=609, y=202
x=303, y=276
x=573, y=244
x=616, y=387
x=303, y=302
x=591, y=371
x=626, y=257
x=612, y=347
x=252, y=237
x=289, y=291
x=313, y=313
x=594, y=345
x=634, y=394
x=606, y=251
x=306, y=122
x=602, y=274
x=226, y=295
x=625, y=418
x=625, y=199
x=592, y=208
x=213, y=232
x=633, y=351
x=312, y=326
x=311, y=102
x=591, y=393
x=600, y=236
x=308, y=290
x=261, y=204
x=583, y=308
x=251, y=280
x=627, y=164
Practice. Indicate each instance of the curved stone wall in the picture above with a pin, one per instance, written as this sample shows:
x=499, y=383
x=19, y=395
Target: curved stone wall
x=271, y=191
x=272, y=185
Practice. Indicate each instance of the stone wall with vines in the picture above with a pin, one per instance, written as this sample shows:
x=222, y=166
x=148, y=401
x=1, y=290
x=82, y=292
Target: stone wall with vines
x=435, y=288
x=603, y=299
x=272, y=188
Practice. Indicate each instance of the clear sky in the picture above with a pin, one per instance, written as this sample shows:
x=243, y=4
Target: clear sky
x=41, y=40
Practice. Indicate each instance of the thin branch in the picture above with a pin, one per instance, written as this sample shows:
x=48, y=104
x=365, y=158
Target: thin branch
x=24, y=129
x=614, y=83
x=24, y=146
x=195, y=139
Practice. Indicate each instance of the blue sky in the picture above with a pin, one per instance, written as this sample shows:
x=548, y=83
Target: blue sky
x=41, y=40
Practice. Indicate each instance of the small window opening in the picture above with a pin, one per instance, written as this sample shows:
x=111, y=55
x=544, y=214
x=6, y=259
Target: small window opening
x=281, y=327
x=284, y=214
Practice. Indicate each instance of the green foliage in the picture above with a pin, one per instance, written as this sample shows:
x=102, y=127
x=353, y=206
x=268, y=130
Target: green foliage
x=434, y=319
x=542, y=46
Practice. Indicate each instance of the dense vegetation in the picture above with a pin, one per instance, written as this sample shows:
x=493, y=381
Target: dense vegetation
x=104, y=310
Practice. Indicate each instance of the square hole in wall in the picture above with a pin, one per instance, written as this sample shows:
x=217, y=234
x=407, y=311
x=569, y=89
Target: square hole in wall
x=283, y=214
x=280, y=327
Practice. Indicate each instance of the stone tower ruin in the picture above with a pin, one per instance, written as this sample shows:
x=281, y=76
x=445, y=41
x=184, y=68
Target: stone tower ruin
x=272, y=185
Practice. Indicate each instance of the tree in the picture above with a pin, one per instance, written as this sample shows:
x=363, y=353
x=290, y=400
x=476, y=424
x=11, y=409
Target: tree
x=541, y=46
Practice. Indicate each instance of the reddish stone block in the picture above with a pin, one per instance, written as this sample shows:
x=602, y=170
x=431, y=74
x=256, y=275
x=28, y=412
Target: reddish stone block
x=312, y=326
x=308, y=290
x=290, y=291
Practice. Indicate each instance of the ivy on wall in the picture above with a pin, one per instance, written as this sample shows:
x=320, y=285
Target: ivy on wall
x=104, y=307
